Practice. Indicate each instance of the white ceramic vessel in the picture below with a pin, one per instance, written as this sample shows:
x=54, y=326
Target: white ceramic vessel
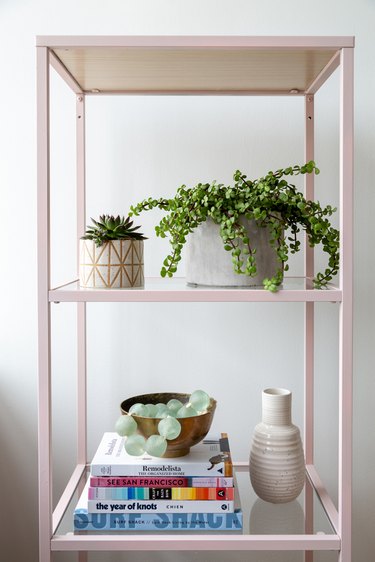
x=116, y=264
x=277, y=465
x=208, y=263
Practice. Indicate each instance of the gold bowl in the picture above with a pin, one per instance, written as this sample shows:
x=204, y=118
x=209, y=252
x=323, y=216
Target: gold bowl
x=193, y=429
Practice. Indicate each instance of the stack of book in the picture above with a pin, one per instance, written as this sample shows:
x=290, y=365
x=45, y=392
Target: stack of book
x=194, y=492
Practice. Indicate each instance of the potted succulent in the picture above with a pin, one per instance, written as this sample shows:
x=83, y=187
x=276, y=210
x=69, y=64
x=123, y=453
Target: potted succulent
x=269, y=205
x=111, y=254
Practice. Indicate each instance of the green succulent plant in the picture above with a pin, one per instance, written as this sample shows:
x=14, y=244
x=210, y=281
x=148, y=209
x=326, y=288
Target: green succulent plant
x=109, y=227
x=271, y=201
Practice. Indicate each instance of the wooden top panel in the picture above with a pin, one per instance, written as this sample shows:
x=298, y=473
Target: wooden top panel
x=201, y=69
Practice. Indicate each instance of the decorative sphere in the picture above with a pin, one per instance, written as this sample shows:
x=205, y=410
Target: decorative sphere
x=174, y=405
x=186, y=411
x=172, y=413
x=162, y=411
x=135, y=445
x=156, y=445
x=139, y=409
x=126, y=425
x=152, y=410
x=169, y=428
x=200, y=400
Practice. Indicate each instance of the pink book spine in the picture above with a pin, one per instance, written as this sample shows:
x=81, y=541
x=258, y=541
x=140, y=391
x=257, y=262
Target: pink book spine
x=162, y=482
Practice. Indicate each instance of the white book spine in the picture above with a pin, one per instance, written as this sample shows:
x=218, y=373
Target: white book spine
x=160, y=506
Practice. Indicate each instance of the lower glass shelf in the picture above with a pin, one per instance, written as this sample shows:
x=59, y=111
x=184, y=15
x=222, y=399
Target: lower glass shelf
x=298, y=525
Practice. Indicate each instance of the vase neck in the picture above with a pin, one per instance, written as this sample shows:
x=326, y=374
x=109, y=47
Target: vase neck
x=276, y=406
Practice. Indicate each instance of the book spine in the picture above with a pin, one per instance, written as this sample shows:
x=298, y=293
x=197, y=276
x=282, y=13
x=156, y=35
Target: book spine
x=161, y=506
x=162, y=470
x=204, y=482
x=158, y=521
x=138, y=493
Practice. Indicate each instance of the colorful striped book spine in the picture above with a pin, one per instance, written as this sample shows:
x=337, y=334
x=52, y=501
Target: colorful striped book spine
x=138, y=493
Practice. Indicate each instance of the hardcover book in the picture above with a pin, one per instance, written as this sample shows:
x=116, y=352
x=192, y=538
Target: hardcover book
x=157, y=482
x=161, y=506
x=145, y=521
x=147, y=493
x=210, y=458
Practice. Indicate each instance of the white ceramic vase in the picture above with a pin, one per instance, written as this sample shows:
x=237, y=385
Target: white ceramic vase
x=116, y=264
x=277, y=464
x=208, y=263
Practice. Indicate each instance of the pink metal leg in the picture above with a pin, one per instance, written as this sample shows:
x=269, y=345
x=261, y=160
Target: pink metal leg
x=346, y=309
x=81, y=307
x=309, y=329
x=44, y=324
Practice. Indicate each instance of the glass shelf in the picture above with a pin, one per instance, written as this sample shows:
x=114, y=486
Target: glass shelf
x=289, y=524
x=156, y=289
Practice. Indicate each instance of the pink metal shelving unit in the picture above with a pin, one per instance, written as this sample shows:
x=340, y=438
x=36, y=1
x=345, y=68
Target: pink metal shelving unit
x=278, y=66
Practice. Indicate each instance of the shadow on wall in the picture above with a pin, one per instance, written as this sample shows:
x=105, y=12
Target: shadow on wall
x=18, y=477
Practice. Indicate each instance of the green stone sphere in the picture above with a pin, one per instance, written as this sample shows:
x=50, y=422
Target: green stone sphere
x=139, y=409
x=152, y=410
x=200, y=400
x=162, y=411
x=169, y=428
x=187, y=411
x=135, y=445
x=174, y=405
x=156, y=445
x=126, y=425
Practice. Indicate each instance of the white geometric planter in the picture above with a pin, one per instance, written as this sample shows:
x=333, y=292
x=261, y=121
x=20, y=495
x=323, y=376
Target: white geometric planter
x=208, y=263
x=277, y=464
x=116, y=264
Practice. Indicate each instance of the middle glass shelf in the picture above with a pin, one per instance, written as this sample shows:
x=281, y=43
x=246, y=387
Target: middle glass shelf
x=156, y=289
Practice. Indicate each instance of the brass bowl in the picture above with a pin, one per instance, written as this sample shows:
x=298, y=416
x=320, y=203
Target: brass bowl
x=193, y=429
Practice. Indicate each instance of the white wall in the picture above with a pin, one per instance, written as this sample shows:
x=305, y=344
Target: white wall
x=151, y=146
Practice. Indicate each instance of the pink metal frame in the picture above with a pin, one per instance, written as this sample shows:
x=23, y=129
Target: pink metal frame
x=341, y=517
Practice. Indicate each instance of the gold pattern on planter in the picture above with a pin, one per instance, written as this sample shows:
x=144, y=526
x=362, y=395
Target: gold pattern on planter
x=116, y=264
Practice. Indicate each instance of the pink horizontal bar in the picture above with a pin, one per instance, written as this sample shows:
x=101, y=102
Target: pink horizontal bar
x=220, y=92
x=211, y=542
x=318, y=42
x=328, y=505
x=64, y=73
x=67, y=495
x=325, y=74
x=264, y=42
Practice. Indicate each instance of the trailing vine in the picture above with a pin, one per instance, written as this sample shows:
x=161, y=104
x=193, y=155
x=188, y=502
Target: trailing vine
x=271, y=201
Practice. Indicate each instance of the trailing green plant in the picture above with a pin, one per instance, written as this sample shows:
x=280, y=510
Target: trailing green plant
x=271, y=201
x=109, y=227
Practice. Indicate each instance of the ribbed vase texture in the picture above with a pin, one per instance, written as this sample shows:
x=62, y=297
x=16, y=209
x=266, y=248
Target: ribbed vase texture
x=277, y=464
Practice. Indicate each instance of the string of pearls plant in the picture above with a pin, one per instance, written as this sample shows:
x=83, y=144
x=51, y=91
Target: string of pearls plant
x=169, y=427
x=271, y=201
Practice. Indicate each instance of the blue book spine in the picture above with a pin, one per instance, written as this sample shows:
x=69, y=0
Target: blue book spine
x=160, y=521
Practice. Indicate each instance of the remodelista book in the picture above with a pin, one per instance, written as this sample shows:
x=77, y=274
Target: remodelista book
x=157, y=482
x=211, y=457
x=145, y=521
x=147, y=493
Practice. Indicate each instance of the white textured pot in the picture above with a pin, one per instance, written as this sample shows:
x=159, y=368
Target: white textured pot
x=277, y=464
x=116, y=264
x=207, y=263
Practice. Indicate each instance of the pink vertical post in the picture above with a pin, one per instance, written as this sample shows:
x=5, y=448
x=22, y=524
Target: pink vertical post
x=44, y=313
x=309, y=328
x=346, y=308
x=81, y=307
